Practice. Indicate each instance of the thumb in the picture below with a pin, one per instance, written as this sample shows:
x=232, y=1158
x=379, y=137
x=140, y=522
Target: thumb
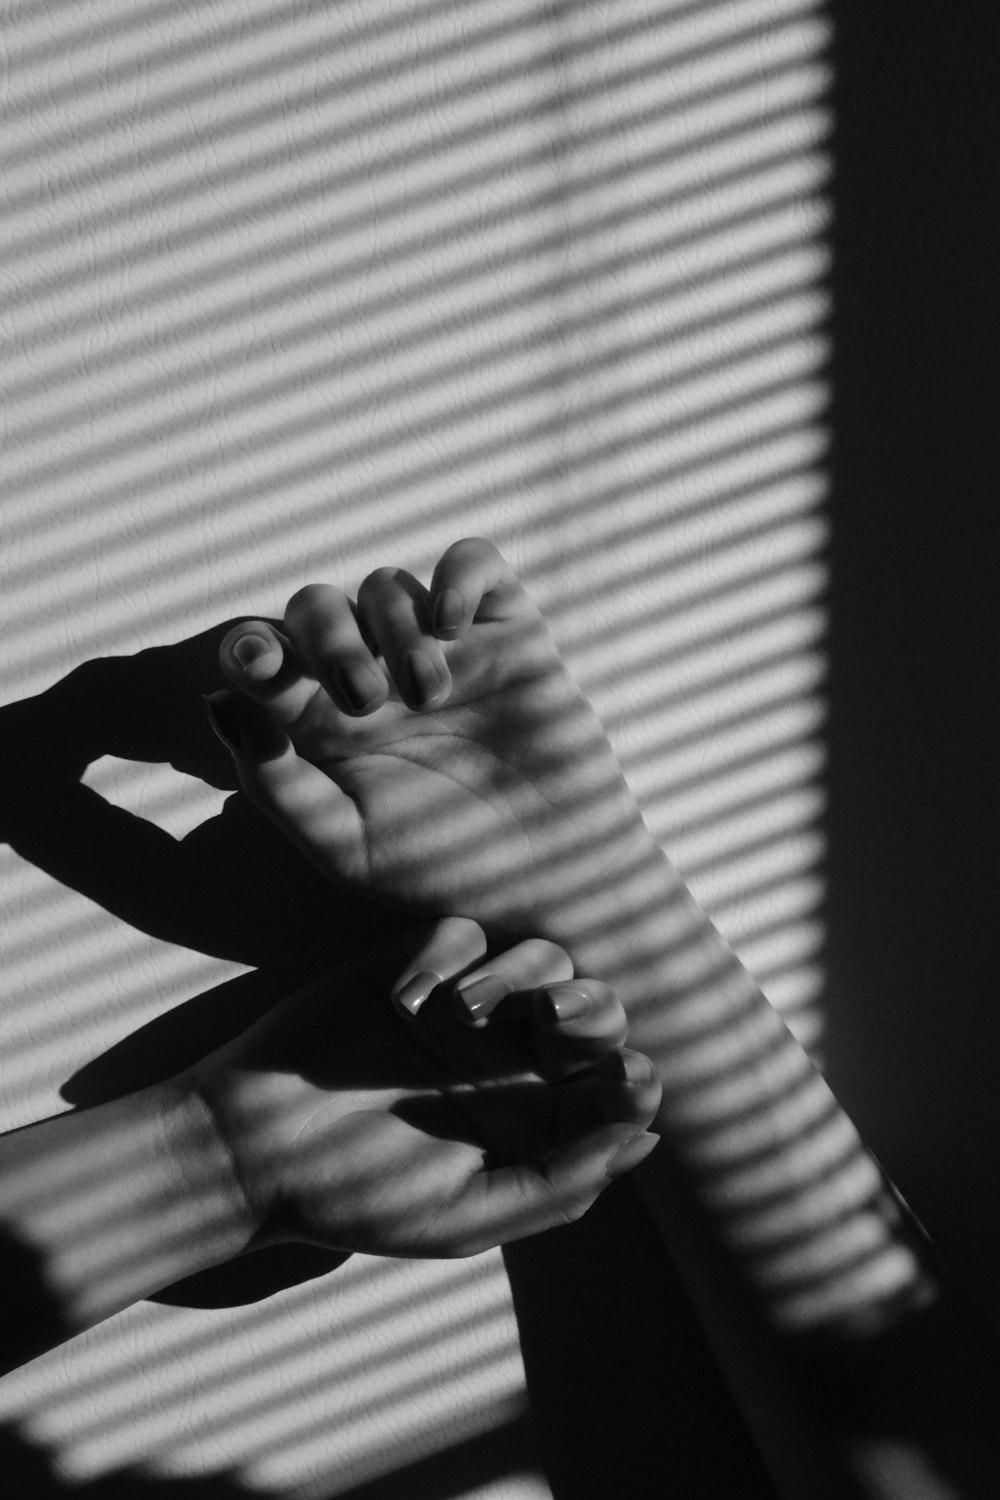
x=308, y=807
x=259, y=660
x=511, y=1202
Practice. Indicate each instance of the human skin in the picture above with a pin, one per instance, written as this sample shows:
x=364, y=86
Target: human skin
x=340, y=1120
x=427, y=746
x=476, y=779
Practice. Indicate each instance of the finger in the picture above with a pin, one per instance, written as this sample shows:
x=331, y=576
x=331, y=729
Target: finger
x=511, y=977
x=323, y=627
x=473, y=581
x=586, y=1012
x=393, y=609
x=628, y=1088
x=511, y=1202
x=440, y=952
x=622, y=1089
x=261, y=662
x=304, y=803
x=576, y=1024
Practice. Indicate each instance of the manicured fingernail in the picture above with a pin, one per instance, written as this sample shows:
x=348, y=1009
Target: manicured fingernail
x=415, y=991
x=424, y=683
x=564, y=1002
x=250, y=648
x=358, y=686
x=631, y=1153
x=448, y=612
x=482, y=996
x=244, y=727
x=636, y=1068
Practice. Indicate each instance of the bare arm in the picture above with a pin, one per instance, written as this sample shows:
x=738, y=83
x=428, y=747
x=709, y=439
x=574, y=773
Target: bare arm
x=335, y=1120
x=471, y=776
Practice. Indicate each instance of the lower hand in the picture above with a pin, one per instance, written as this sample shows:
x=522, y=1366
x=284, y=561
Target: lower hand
x=438, y=1126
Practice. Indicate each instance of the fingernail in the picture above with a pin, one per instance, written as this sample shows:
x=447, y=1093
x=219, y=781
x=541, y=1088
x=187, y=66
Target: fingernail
x=250, y=648
x=564, y=1002
x=631, y=1153
x=635, y=1068
x=482, y=996
x=358, y=686
x=415, y=991
x=243, y=727
x=449, y=609
x=423, y=681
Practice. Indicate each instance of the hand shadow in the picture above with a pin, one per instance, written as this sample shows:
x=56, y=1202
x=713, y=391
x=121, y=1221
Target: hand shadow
x=233, y=888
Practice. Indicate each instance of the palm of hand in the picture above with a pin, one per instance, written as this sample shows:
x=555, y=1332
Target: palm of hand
x=472, y=805
x=482, y=785
x=350, y=1134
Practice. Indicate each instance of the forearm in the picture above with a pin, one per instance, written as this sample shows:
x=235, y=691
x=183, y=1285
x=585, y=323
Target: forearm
x=101, y=1207
x=775, y=1165
x=860, y=1369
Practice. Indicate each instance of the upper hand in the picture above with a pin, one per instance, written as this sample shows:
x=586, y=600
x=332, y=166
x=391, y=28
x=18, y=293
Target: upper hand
x=427, y=745
x=404, y=1130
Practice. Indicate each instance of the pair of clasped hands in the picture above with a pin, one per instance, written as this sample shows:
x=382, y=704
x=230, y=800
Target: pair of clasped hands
x=426, y=747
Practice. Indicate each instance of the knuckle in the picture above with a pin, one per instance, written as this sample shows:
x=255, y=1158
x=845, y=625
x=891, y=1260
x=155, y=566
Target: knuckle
x=545, y=955
x=475, y=545
x=311, y=606
x=466, y=935
x=574, y=1210
x=603, y=998
x=304, y=598
x=378, y=582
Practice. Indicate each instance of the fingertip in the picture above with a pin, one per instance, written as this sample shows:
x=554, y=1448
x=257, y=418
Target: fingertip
x=476, y=572
x=630, y=1088
x=635, y=1069
x=251, y=653
x=410, y=991
x=456, y=934
x=555, y=1004
x=477, y=997
x=436, y=952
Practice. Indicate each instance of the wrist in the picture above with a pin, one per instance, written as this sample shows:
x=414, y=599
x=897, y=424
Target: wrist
x=177, y=1206
x=625, y=916
x=115, y=1202
x=203, y=1170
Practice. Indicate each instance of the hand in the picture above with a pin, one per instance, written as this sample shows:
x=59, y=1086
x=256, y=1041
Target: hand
x=428, y=746
x=408, y=1130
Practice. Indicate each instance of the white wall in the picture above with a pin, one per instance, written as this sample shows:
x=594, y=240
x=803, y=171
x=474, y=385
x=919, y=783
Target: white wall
x=292, y=290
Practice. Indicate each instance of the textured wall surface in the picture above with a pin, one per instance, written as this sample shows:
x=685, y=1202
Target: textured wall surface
x=293, y=290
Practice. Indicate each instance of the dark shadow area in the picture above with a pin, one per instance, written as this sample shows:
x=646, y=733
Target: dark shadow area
x=233, y=888
x=252, y=1277
x=914, y=1031
x=627, y=1397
